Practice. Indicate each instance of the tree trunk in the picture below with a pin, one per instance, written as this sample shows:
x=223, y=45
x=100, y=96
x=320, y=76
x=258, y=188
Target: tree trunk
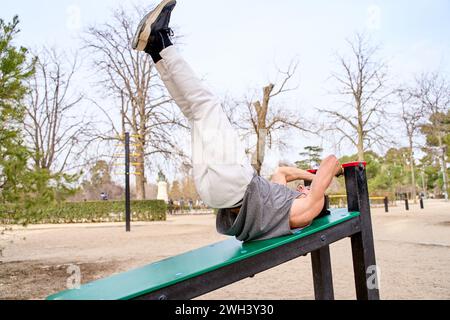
x=360, y=129
x=260, y=150
x=444, y=166
x=360, y=144
x=261, y=132
x=413, y=174
x=139, y=166
x=360, y=151
x=424, y=187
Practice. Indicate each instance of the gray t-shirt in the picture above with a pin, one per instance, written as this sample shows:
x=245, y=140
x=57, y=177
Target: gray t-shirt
x=264, y=214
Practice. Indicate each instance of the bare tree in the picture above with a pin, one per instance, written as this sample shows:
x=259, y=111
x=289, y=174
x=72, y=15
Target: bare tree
x=131, y=78
x=260, y=119
x=412, y=115
x=362, y=81
x=433, y=92
x=58, y=133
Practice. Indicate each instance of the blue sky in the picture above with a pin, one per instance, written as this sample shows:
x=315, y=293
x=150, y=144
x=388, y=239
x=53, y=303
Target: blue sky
x=235, y=45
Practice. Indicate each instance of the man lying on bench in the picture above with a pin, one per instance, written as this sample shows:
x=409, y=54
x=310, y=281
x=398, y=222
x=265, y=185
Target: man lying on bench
x=250, y=207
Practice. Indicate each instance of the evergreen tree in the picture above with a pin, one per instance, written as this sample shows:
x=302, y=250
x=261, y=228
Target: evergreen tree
x=22, y=186
x=15, y=68
x=312, y=157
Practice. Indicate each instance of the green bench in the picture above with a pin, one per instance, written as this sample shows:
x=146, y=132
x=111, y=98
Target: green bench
x=198, y=272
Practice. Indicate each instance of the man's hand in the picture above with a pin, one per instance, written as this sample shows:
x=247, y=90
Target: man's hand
x=341, y=172
x=329, y=169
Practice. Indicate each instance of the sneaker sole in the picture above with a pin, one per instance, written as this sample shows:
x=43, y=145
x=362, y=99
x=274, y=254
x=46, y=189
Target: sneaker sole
x=140, y=39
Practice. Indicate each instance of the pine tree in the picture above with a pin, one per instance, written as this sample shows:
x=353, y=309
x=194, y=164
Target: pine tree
x=311, y=158
x=15, y=68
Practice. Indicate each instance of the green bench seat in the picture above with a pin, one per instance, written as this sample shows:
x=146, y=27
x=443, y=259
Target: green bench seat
x=172, y=271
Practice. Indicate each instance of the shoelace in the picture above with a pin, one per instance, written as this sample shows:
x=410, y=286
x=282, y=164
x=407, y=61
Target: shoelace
x=168, y=31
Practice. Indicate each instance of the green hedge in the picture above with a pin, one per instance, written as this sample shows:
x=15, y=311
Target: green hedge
x=87, y=212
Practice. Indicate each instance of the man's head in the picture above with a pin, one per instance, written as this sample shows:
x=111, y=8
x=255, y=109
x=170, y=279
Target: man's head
x=305, y=190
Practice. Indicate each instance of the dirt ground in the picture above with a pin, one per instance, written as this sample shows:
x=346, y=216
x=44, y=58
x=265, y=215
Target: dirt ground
x=413, y=252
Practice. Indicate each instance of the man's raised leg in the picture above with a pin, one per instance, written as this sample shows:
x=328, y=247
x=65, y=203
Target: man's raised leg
x=221, y=168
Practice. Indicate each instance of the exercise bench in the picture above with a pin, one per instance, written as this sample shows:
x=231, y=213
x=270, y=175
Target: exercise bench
x=204, y=270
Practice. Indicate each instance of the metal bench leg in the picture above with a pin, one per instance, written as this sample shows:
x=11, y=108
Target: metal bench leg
x=322, y=274
x=364, y=262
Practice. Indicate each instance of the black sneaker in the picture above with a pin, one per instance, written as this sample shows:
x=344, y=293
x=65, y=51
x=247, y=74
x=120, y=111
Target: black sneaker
x=154, y=22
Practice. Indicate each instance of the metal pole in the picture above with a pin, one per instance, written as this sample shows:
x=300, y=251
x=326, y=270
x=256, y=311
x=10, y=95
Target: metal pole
x=127, y=183
x=386, y=204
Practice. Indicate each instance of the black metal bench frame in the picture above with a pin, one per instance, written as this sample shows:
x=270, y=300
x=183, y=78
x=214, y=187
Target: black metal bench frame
x=359, y=229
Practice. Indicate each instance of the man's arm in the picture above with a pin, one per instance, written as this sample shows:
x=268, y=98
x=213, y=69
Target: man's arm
x=284, y=175
x=304, y=211
x=329, y=169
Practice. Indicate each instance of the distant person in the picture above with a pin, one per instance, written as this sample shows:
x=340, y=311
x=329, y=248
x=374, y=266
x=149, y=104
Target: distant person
x=250, y=207
x=171, y=206
x=104, y=196
x=191, y=205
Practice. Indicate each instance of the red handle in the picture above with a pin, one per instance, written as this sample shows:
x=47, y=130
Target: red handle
x=354, y=164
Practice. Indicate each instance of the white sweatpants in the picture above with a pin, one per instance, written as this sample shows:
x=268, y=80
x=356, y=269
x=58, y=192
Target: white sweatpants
x=221, y=169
